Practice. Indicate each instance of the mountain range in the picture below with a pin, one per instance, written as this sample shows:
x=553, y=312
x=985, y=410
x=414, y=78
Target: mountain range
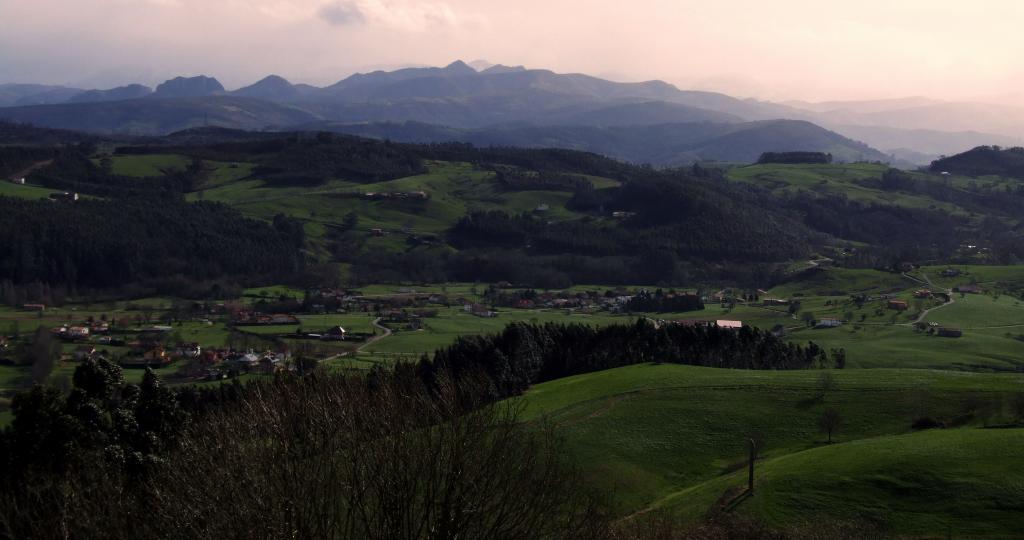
x=652, y=122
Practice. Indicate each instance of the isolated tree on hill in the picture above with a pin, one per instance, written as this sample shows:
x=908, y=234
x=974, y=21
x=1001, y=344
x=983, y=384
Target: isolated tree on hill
x=794, y=307
x=808, y=318
x=829, y=423
x=839, y=357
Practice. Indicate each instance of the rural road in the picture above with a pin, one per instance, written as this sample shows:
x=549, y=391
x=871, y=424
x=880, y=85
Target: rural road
x=927, y=281
x=376, y=323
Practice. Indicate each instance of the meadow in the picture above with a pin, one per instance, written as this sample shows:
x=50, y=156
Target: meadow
x=675, y=437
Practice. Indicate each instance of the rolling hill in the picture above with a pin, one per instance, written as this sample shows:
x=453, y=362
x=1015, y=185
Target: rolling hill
x=668, y=144
x=155, y=116
x=673, y=439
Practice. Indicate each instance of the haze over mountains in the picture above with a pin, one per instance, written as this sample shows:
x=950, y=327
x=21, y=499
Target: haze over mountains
x=650, y=122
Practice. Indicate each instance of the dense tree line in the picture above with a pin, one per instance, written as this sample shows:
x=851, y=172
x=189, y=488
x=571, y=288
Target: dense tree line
x=523, y=181
x=13, y=133
x=526, y=354
x=14, y=159
x=982, y=161
x=108, y=244
x=307, y=158
x=795, y=157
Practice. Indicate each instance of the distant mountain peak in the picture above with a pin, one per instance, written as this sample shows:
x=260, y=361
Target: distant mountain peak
x=189, y=87
x=271, y=87
x=273, y=79
x=460, y=67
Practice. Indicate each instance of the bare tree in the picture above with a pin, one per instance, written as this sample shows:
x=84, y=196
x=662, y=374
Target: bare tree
x=335, y=457
x=829, y=423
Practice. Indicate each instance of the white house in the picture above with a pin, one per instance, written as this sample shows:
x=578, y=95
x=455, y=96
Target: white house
x=828, y=322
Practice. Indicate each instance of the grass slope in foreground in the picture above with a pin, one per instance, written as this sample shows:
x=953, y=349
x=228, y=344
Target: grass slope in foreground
x=959, y=482
x=649, y=432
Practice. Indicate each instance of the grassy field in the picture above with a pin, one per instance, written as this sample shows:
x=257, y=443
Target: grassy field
x=650, y=433
x=963, y=483
x=836, y=179
x=454, y=190
x=876, y=336
x=24, y=191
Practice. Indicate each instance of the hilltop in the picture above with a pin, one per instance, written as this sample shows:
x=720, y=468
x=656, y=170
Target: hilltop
x=646, y=140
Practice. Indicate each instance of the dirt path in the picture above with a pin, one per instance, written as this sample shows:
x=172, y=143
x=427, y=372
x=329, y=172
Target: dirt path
x=28, y=171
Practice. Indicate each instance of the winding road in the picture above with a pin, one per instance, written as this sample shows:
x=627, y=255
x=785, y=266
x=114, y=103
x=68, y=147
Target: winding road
x=376, y=323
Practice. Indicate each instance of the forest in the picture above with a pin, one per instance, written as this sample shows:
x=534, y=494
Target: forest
x=110, y=244
x=527, y=354
x=984, y=160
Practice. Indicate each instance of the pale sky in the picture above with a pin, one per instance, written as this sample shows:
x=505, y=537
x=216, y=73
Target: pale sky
x=778, y=49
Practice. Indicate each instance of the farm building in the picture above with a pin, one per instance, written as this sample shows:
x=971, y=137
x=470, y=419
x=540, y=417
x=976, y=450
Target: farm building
x=335, y=333
x=947, y=331
x=694, y=322
x=733, y=325
x=65, y=196
x=78, y=332
x=19, y=181
x=828, y=322
x=898, y=305
x=922, y=293
x=950, y=272
x=967, y=289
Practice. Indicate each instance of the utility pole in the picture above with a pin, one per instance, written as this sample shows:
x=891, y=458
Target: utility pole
x=750, y=469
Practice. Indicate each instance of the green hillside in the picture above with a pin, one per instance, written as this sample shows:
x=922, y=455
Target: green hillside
x=675, y=437
x=964, y=483
x=847, y=179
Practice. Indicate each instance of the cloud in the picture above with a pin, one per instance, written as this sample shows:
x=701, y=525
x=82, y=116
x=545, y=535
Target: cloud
x=341, y=13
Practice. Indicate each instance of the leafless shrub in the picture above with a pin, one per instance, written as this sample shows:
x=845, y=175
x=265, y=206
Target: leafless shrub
x=331, y=457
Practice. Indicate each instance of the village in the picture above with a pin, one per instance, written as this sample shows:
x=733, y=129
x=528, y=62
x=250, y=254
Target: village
x=287, y=329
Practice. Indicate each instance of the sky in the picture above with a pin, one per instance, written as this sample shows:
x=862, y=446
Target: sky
x=778, y=50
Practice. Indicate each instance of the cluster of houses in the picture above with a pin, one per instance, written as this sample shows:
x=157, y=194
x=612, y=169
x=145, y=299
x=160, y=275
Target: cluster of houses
x=64, y=196
x=255, y=318
x=216, y=364
x=81, y=332
x=707, y=323
x=373, y=195
x=479, y=310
